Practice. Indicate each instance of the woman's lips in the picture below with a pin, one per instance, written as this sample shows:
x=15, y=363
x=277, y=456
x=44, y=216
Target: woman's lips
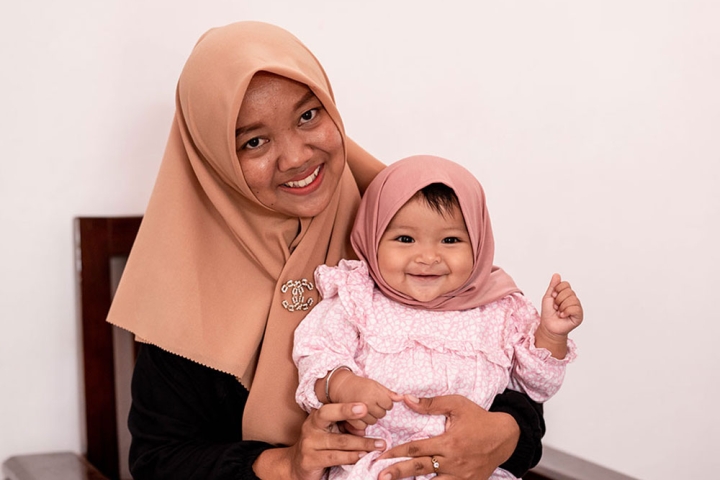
x=304, y=182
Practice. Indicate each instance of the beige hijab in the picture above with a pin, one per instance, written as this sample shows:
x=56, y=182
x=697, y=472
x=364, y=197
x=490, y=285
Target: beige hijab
x=215, y=276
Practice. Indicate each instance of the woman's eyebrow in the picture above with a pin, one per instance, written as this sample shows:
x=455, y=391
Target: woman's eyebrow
x=247, y=128
x=307, y=97
x=254, y=126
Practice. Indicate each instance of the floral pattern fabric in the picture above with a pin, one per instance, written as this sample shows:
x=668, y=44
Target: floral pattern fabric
x=476, y=353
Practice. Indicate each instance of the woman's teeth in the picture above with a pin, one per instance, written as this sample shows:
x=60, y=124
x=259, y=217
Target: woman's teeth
x=305, y=181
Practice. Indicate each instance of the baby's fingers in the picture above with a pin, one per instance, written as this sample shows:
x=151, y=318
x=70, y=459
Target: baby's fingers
x=357, y=425
x=561, y=286
x=552, y=287
x=395, y=397
x=386, y=403
x=563, y=292
x=376, y=412
x=574, y=311
x=374, y=415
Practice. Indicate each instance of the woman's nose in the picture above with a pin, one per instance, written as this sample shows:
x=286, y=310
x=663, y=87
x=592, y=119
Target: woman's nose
x=295, y=151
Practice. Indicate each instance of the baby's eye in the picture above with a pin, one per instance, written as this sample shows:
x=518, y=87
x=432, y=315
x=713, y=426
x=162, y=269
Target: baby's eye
x=450, y=240
x=254, y=143
x=405, y=239
x=309, y=115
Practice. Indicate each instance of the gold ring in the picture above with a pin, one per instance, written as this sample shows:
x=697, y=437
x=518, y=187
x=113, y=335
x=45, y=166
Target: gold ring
x=435, y=464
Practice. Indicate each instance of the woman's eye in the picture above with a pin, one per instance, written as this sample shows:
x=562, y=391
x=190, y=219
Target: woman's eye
x=450, y=240
x=405, y=239
x=309, y=115
x=254, y=143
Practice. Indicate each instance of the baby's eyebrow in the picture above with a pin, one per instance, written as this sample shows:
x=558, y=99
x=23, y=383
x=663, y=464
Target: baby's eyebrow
x=399, y=226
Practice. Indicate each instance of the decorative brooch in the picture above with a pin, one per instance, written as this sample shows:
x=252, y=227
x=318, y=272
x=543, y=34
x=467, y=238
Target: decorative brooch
x=297, y=289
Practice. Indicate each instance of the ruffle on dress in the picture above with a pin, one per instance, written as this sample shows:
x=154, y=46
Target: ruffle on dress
x=350, y=281
x=462, y=333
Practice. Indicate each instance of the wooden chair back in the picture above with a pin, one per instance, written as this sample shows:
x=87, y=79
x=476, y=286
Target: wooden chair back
x=102, y=244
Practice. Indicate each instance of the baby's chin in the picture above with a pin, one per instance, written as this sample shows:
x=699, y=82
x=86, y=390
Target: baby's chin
x=424, y=298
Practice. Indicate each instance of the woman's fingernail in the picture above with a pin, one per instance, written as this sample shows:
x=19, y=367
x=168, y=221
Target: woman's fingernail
x=357, y=409
x=379, y=444
x=387, y=476
x=362, y=454
x=413, y=398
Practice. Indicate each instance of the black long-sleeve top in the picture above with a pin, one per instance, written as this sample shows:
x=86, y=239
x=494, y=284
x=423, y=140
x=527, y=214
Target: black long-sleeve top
x=186, y=422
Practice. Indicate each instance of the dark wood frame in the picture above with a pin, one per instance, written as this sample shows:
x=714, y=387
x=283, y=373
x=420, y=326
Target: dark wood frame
x=98, y=241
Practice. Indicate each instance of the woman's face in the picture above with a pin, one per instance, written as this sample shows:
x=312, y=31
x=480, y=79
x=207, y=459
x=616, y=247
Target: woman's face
x=290, y=150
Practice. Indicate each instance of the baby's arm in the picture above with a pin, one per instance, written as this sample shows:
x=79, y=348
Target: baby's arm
x=561, y=312
x=325, y=340
x=346, y=387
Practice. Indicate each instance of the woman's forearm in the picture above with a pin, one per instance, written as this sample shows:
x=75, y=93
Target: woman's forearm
x=528, y=416
x=273, y=463
x=508, y=435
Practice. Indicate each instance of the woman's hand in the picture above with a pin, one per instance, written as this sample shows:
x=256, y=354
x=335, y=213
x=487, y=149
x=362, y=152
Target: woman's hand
x=474, y=444
x=320, y=445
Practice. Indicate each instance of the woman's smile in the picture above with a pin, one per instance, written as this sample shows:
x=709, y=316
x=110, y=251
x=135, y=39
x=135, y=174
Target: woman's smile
x=305, y=181
x=290, y=150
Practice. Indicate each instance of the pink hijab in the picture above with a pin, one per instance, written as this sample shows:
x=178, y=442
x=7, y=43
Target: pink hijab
x=392, y=188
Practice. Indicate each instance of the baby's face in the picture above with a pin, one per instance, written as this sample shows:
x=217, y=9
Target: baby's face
x=423, y=253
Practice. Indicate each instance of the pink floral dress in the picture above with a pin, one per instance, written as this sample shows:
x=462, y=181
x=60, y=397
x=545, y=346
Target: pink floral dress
x=475, y=353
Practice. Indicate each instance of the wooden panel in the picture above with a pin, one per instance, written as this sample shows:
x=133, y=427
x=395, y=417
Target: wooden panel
x=97, y=241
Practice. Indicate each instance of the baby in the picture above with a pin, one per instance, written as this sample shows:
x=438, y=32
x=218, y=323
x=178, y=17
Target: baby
x=424, y=312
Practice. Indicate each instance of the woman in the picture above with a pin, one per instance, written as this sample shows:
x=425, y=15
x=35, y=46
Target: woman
x=253, y=193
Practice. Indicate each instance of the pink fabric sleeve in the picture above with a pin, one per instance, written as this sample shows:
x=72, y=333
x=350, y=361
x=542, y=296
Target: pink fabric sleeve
x=535, y=371
x=324, y=340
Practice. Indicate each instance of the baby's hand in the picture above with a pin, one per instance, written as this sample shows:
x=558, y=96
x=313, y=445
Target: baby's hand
x=350, y=388
x=561, y=309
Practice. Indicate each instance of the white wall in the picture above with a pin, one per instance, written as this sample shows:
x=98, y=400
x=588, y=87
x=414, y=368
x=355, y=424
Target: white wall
x=593, y=126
